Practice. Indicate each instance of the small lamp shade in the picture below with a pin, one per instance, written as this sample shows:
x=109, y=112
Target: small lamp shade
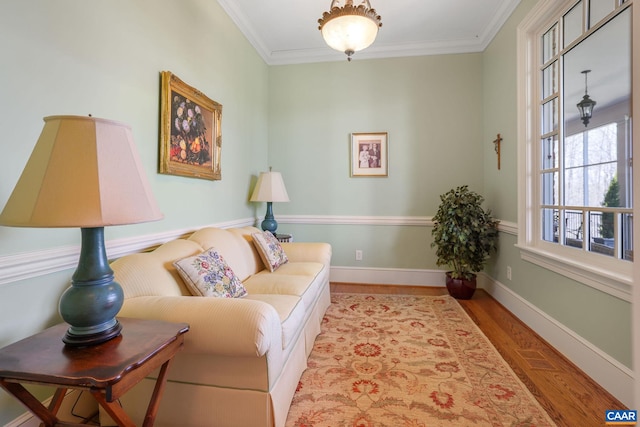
x=84, y=172
x=270, y=188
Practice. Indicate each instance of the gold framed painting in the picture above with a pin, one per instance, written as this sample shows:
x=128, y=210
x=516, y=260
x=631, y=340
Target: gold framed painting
x=190, y=131
x=369, y=154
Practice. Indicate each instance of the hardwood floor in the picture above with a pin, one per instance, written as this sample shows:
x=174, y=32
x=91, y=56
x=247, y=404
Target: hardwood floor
x=569, y=396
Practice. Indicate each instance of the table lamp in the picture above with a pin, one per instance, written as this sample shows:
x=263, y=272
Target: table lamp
x=270, y=188
x=84, y=172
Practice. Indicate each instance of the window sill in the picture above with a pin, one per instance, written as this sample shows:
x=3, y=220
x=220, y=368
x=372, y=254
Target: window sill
x=612, y=283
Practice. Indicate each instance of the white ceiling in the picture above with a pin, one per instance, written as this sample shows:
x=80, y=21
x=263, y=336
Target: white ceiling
x=286, y=31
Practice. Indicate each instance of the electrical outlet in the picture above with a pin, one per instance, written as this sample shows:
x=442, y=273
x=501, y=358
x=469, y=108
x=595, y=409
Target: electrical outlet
x=358, y=255
x=509, y=272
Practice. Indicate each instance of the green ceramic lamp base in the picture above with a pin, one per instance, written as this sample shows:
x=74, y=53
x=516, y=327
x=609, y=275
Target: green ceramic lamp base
x=269, y=223
x=94, y=299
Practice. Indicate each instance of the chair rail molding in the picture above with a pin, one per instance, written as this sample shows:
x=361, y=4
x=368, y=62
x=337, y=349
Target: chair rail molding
x=28, y=265
x=423, y=221
x=17, y=267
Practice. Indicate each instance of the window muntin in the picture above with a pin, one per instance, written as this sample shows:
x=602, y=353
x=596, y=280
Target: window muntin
x=590, y=166
x=572, y=24
x=580, y=164
x=599, y=9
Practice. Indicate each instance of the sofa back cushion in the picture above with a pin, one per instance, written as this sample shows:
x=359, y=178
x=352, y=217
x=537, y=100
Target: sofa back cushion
x=235, y=245
x=153, y=273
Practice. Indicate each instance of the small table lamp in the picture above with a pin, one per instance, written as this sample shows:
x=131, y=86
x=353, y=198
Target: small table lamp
x=84, y=172
x=270, y=188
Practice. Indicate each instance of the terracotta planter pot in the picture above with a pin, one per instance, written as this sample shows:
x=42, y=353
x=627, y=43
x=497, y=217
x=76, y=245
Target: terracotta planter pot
x=461, y=288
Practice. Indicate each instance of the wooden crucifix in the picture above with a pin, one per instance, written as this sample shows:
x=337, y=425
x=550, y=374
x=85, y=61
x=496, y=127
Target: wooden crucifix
x=497, y=142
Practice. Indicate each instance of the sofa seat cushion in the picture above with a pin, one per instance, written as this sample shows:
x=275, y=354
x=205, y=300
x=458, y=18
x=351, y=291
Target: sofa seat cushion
x=309, y=269
x=285, y=281
x=291, y=311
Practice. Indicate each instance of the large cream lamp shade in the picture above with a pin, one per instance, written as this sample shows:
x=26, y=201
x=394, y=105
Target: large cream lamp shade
x=84, y=172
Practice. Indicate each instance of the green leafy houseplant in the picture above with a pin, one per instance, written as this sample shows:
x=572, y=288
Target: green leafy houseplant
x=611, y=199
x=464, y=233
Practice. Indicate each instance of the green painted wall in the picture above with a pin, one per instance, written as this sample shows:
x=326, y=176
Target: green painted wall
x=383, y=246
x=601, y=319
x=434, y=108
x=313, y=109
x=105, y=58
x=441, y=112
x=431, y=107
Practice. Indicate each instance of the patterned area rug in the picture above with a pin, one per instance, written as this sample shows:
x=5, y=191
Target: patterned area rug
x=408, y=361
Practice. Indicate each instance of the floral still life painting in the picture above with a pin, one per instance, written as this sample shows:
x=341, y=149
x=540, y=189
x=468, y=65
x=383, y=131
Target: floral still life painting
x=190, y=136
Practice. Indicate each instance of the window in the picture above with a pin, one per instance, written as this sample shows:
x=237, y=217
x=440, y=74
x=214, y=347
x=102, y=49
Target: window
x=576, y=171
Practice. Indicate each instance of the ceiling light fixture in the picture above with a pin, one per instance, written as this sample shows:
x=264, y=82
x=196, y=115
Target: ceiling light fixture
x=349, y=28
x=586, y=105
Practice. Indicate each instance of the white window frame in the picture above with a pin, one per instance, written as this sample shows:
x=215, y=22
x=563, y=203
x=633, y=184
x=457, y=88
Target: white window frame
x=607, y=274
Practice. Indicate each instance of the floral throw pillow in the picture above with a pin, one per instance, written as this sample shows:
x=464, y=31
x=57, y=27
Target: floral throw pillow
x=209, y=275
x=270, y=250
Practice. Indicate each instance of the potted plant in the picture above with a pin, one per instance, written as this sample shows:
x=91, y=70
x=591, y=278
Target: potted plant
x=465, y=235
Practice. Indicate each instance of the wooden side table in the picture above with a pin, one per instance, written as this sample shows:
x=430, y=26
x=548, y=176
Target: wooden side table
x=106, y=370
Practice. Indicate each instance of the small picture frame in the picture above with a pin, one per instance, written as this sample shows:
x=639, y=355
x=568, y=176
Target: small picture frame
x=190, y=131
x=369, y=156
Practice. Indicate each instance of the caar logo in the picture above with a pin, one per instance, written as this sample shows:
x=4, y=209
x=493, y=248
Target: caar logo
x=621, y=417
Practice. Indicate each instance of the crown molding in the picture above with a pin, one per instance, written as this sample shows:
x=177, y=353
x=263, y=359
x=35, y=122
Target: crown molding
x=377, y=51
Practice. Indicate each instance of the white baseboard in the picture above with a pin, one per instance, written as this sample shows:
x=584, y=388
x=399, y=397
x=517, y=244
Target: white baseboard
x=387, y=276
x=24, y=420
x=612, y=375
x=616, y=378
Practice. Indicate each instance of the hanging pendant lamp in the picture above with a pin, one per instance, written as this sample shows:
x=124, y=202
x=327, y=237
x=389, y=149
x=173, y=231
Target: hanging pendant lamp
x=586, y=105
x=349, y=28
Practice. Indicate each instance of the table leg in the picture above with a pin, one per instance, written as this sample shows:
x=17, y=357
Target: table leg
x=114, y=410
x=154, y=403
x=33, y=404
x=56, y=402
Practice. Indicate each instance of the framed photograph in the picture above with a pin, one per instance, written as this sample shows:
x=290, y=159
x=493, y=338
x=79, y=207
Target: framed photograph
x=369, y=154
x=190, y=131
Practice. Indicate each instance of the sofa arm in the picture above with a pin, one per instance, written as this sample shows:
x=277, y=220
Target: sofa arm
x=308, y=252
x=228, y=327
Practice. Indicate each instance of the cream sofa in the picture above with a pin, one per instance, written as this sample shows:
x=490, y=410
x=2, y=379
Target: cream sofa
x=243, y=357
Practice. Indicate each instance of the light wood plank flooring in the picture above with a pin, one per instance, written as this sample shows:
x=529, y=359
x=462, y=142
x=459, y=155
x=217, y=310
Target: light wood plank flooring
x=569, y=396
